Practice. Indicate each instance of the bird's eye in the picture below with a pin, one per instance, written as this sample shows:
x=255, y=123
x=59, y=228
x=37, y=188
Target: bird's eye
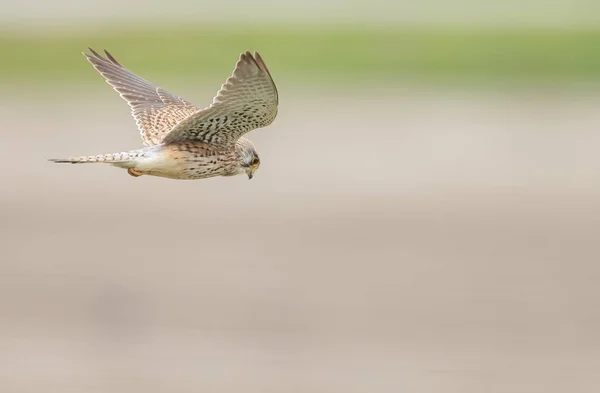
x=255, y=161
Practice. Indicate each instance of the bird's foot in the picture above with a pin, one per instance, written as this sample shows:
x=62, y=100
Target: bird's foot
x=134, y=173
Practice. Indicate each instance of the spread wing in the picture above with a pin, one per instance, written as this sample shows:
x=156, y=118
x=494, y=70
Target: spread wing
x=156, y=111
x=246, y=101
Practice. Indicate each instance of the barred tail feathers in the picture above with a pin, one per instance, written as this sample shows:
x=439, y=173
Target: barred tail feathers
x=111, y=158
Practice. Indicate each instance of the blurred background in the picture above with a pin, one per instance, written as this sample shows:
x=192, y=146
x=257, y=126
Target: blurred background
x=425, y=219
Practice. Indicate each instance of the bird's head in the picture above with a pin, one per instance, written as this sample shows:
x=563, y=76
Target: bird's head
x=248, y=157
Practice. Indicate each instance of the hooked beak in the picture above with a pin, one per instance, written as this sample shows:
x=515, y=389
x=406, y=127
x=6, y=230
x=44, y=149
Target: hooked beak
x=250, y=173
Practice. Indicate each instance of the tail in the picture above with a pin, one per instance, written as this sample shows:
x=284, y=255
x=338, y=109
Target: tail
x=111, y=158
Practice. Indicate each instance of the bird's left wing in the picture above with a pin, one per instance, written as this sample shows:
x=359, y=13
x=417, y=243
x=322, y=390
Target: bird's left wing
x=155, y=110
x=246, y=101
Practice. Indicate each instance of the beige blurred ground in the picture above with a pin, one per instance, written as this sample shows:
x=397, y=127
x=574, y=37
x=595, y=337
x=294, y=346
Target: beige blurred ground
x=400, y=240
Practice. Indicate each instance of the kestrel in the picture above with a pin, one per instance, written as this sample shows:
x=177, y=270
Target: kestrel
x=182, y=140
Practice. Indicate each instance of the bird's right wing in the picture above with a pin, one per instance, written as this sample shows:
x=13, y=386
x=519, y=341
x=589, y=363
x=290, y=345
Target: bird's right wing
x=156, y=111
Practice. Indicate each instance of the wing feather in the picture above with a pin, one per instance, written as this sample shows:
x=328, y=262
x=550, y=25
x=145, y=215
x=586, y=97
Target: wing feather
x=155, y=110
x=246, y=101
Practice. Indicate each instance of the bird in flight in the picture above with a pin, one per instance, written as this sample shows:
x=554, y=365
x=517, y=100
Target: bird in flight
x=182, y=140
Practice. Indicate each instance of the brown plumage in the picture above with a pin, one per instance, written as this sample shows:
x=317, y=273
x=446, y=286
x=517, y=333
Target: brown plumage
x=184, y=141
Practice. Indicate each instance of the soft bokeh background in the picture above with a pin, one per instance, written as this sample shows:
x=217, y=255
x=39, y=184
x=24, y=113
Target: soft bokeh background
x=426, y=217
